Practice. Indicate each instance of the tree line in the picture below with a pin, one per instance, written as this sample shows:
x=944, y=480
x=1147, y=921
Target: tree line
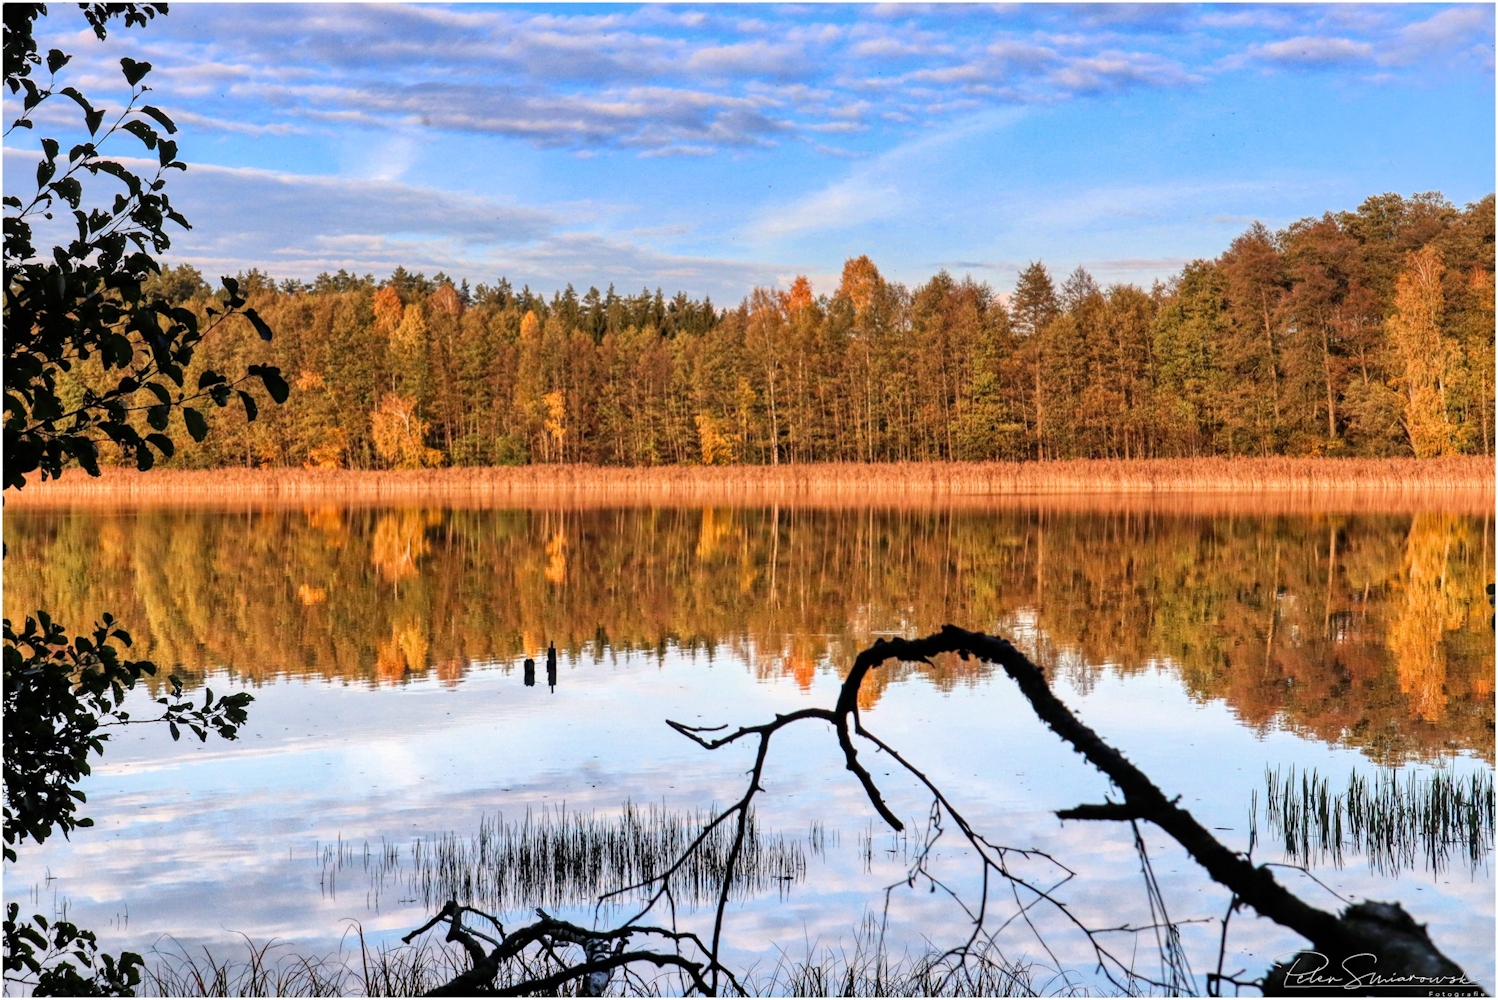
x=1368, y=332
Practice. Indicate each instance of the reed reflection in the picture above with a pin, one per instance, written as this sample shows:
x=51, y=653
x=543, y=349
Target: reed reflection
x=1419, y=821
x=1371, y=629
x=556, y=858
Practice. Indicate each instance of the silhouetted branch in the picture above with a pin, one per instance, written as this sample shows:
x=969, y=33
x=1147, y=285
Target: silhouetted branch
x=1103, y=810
x=1383, y=929
x=546, y=933
x=1402, y=948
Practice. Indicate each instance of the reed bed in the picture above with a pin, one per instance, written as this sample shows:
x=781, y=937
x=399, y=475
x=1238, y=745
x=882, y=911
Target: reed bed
x=271, y=969
x=1467, y=481
x=868, y=970
x=557, y=858
x=1422, y=821
x=864, y=970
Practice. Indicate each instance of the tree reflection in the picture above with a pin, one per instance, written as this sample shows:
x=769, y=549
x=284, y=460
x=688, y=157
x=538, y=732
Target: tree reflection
x=1371, y=629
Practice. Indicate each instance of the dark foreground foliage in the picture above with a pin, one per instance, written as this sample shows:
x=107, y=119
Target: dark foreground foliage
x=94, y=359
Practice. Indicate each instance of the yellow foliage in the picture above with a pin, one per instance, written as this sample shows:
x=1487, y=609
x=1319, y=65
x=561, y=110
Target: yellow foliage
x=405, y=652
x=329, y=454
x=799, y=298
x=400, y=435
x=328, y=519
x=556, y=557
x=1415, y=335
x=399, y=540
x=388, y=310
x=716, y=526
x=530, y=326
x=717, y=446
x=329, y=451
x=1434, y=605
x=861, y=282
x=310, y=595
x=411, y=335
x=556, y=419
x=445, y=300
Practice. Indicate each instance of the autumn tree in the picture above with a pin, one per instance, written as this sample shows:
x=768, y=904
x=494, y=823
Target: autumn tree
x=1034, y=307
x=1282, y=345
x=399, y=434
x=1428, y=360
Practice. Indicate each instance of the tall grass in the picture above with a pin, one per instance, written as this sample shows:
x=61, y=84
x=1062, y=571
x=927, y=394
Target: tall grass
x=865, y=969
x=556, y=857
x=272, y=970
x=1466, y=479
x=1422, y=821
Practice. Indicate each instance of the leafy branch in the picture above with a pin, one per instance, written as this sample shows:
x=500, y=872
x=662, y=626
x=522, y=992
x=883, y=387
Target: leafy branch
x=59, y=694
x=37, y=955
x=87, y=302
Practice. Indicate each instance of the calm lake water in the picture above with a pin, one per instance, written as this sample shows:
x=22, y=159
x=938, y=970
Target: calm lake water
x=392, y=722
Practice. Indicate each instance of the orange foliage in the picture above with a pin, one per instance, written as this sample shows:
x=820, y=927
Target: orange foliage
x=388, y=310
x=1367, y=629
x=860, y=283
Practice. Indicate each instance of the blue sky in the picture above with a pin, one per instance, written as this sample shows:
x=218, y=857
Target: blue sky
x=713, y=148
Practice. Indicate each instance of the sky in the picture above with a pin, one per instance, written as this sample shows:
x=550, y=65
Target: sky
x=713, y=148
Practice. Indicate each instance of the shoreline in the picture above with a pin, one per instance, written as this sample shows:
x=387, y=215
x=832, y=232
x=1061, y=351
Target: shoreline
x=1463, y=483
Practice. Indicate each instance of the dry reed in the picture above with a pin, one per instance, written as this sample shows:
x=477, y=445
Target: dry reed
x=1462, y=483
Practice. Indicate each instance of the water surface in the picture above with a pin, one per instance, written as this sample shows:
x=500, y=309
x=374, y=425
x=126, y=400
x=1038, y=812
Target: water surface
x=384, y=647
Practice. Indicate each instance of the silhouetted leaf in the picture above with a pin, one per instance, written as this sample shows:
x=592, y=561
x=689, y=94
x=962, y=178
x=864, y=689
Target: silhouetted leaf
x=134, y=71
x=197, y=426
x=143, y=132
x=161, y=118
x=259, y=324
x=274, y=383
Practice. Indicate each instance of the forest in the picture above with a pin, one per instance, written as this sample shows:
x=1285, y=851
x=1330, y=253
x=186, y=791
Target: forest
x=1360, y=333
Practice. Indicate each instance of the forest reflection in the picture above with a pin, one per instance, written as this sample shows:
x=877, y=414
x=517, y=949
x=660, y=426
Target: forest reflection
x=1368, y=629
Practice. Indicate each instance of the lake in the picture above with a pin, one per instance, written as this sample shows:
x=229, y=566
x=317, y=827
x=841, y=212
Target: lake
x=393, y=735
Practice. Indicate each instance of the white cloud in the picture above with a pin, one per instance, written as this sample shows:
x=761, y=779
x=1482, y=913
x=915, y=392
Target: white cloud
x=1308, y=50
x=1457, y=30
x=298, y=226
x=236, y=203
x=888, y=186
x=847, y=203
x=659, y=80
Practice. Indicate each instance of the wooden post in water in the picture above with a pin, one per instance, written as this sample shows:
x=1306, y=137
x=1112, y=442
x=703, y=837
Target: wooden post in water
x=551, y=665
x=530, y=672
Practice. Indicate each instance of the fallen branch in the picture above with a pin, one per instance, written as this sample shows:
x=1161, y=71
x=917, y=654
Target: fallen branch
x=1407, y=962
x=1403, y=949
x=603, y=951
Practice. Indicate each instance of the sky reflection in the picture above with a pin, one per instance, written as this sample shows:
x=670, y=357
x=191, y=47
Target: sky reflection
x=203, y=843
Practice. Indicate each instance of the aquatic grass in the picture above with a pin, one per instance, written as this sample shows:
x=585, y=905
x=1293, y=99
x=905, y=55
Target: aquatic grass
x=868, y=970
x=1421, y=821
x=864, y=969
x=179, y=972
x=556, y=857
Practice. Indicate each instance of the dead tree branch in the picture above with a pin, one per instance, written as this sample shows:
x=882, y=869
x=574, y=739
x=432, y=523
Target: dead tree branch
x=1382, y=929
x=604, y=951
x=1403, y=951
